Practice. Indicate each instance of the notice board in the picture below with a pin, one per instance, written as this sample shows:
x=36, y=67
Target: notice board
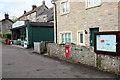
x=107, y=42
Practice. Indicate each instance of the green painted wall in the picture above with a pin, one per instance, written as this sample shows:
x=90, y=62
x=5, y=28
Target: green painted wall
x=37, y=34
x=29, y=33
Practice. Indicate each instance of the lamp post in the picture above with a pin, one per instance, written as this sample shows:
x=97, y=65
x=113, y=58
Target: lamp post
x=55, y=17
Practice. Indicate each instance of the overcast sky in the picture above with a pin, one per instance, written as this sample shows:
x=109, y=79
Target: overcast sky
x=15, y=8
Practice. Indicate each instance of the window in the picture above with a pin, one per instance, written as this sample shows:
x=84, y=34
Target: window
x=80, y=38
x=64, y=7
x=66, y=37
x=93, y=3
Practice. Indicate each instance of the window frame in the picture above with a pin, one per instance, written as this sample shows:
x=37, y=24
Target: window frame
x=78, y=37
x=92, y=6
x=64, y=32
x=61, y=7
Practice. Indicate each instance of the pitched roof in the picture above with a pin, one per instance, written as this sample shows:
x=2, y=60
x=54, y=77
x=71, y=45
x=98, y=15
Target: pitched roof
x=49, y=12
x=7, y=19
x=32, y=11
x=54, y=0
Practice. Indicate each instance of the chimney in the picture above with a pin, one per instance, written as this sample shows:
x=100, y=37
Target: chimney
x=6, y=16
x=24, y=11
x=33, y=7
x=43, y=2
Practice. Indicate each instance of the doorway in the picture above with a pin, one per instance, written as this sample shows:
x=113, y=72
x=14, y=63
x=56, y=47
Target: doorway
x=92, y=31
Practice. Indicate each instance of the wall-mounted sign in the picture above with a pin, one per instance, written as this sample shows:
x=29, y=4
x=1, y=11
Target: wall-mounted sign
x=107, y=42
x=18, y=23
x=76, y=49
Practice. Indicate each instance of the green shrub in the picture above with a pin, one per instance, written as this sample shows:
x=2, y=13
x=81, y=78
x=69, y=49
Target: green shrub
x=6, y=35
x=98, y=62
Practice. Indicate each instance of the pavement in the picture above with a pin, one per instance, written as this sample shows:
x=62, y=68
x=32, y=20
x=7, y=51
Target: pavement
x=23, y=63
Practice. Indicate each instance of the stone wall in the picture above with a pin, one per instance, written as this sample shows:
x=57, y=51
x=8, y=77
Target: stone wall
x=108, y=62
x=79, y=18
x=80, y=54
x=37, y=47
x=56, y=50
x=86, y=55
x=119, y=16
x=31, y=17
x=6, y=26
x=77, y=53
x=83, y=54
x=42, y=18
x=40, y=47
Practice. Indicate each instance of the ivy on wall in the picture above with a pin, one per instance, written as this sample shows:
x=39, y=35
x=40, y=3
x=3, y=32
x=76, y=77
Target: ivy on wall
x=5, y=35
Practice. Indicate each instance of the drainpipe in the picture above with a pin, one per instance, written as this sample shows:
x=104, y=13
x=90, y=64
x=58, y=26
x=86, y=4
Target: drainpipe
x=53, y=2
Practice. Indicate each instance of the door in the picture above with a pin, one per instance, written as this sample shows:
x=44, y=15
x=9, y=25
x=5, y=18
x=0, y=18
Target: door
x=92, y=31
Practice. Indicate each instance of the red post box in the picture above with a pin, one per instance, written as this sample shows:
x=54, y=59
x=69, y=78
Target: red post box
x=67, y=51
x=8, y=41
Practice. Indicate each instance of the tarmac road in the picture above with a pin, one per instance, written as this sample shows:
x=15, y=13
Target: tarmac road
x=22, y=63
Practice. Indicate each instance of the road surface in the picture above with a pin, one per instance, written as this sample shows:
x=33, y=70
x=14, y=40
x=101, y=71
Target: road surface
x=22, y=63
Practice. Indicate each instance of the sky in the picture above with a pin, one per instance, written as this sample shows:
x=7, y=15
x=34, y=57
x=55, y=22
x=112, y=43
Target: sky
x=15, y=8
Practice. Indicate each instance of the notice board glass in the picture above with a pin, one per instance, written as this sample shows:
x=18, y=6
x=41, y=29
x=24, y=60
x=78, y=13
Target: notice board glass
x=107, y=42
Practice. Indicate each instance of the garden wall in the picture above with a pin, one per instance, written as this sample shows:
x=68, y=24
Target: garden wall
x=84, y=55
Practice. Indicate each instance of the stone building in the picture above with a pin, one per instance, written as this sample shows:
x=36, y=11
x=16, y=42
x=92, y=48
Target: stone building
x=32, y=15
x=6, y=24
x=38, y=14
x=46, y=16
x=77, y=20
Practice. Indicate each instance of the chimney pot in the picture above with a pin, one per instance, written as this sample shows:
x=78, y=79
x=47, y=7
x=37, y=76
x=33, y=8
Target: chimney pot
x=33, y=7
x=43, y=2
x=24, y=12
x=6, y=16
